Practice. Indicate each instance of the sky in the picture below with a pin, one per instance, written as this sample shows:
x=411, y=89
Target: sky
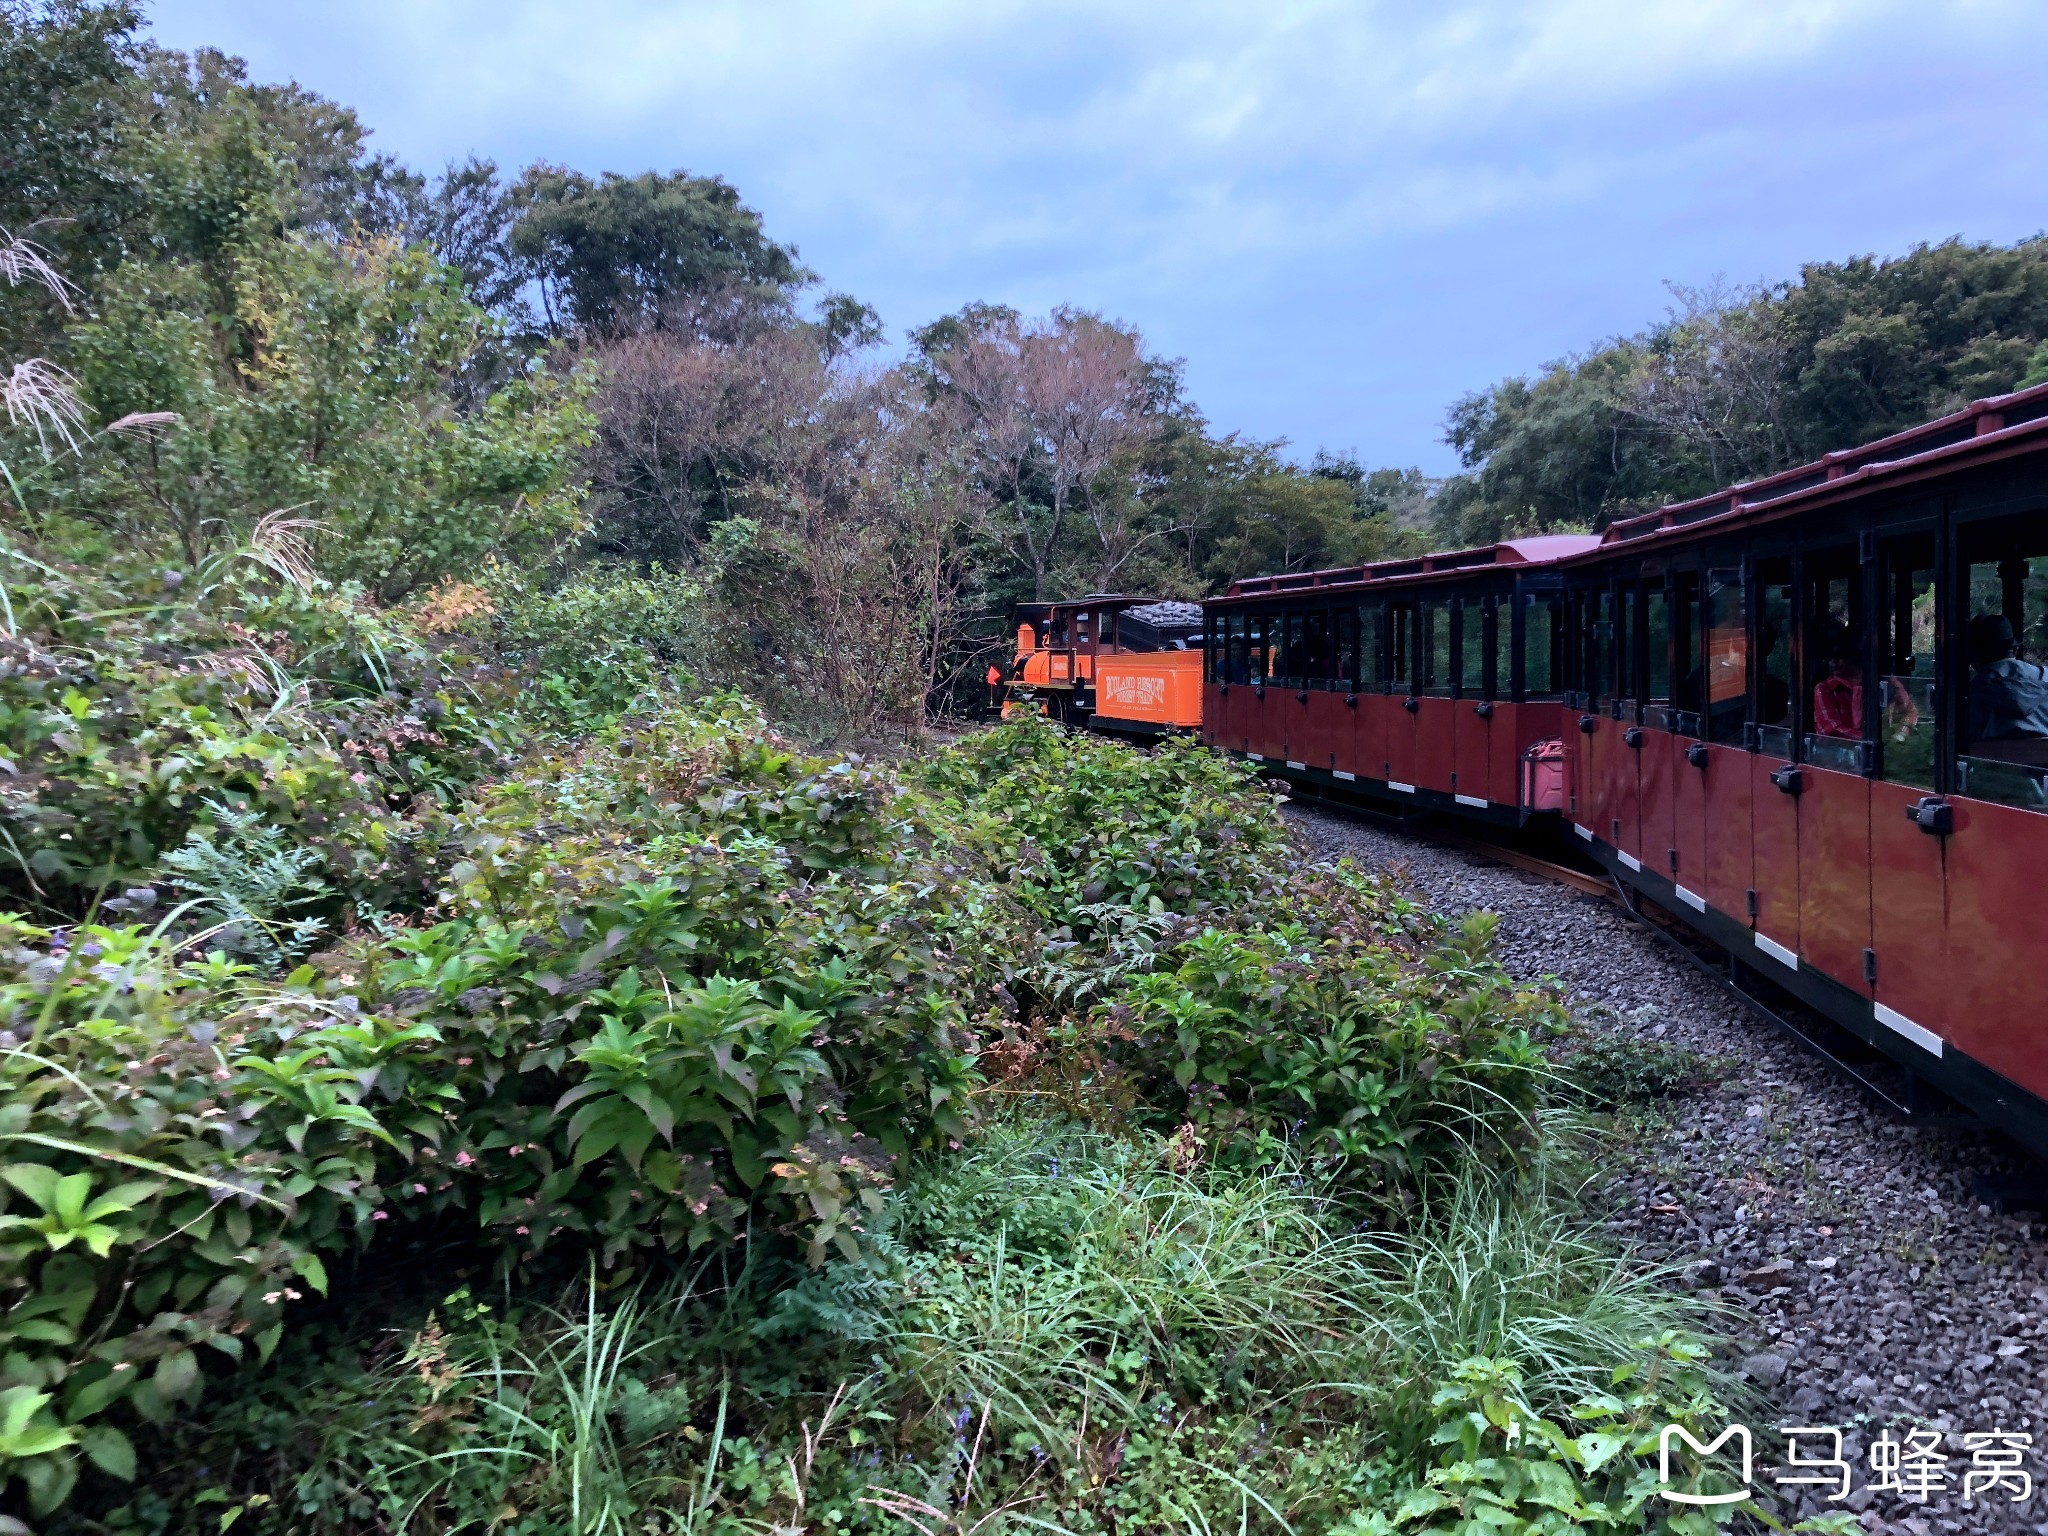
x=1341, y=215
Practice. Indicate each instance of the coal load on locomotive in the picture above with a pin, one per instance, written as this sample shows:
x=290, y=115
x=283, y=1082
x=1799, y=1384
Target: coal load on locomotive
x=1808, y=714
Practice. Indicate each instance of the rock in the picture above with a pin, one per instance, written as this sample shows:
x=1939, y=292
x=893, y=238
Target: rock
x=1765, y=1369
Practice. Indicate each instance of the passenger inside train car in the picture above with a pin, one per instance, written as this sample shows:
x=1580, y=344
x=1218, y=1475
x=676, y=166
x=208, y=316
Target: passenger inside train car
x=2004, y=755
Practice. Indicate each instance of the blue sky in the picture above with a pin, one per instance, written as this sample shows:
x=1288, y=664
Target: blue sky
x=1341, y=215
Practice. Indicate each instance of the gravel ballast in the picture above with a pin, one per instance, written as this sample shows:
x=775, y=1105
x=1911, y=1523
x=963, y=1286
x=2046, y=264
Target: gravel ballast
x=1873, y=1289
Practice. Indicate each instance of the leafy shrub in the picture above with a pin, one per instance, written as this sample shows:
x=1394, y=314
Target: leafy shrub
x=1071, y=823
x=592, y=650
x=129, y=711
x=1611, y=1069
x=693, y=989
x=1364, y=1060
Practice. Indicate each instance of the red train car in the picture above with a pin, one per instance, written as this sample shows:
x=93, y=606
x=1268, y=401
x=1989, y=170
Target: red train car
x=1808, y=713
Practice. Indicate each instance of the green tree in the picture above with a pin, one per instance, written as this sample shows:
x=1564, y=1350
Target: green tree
x=322, y=388
x=610, y=254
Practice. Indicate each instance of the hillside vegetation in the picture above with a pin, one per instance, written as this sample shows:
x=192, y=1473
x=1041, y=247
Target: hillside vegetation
x=480, y=1053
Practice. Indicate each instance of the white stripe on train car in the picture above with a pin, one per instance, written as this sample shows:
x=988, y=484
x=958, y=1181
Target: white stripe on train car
x=1692, y=899
x=1630, y=860
x=1777, y=951
x=1585, y=832
x=1471, y=800
x=1892, y=1019
x=1293, y=764
x=1339, y=773
x=1406, y=789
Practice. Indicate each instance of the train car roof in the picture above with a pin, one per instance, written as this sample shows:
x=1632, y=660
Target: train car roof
x=1538, y=549
x=1996, y=427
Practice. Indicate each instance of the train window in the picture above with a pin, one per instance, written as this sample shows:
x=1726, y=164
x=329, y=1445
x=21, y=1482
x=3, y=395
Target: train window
x=1433, y=657
x=1905, y=661
x=1627, y=674
x=1726, y=671
x=1832, y=657
x=1401, y=646
x=1372, y=621
x=1472, y=648
x=1283, y=646
x=1500, y=622
x=1314, y=659
x=1685, y=675
x=1344, y=648
x=1542, y=644
x=1774, y=722
x=1657, y=638
x=1255, y=647
x=2005, y=693
x=1234, y=649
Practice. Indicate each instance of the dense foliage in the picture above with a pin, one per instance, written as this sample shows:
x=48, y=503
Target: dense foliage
x=460, y=1069
x=1735, y=384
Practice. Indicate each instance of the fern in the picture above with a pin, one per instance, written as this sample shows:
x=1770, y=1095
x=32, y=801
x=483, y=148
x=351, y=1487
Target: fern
x=247, y=875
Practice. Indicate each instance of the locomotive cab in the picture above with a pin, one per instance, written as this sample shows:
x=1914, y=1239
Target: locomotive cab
x=1121, y=663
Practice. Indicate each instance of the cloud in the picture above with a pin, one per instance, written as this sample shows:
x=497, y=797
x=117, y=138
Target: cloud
x=1342, y=213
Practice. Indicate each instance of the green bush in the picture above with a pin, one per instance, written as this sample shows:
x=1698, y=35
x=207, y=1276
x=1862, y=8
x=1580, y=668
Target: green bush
x=1386, y=1070
x=595, y=649
x=130, y=711
x=1075, y=826
x=691, y=992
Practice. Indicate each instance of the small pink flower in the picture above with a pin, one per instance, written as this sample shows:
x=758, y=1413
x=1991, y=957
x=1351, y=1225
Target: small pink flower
x=463, y=1159
x=380, y=1215
x=462, y=1061
x=419, y=1189
x=521, y=1231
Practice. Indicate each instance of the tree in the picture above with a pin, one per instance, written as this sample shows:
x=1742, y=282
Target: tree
x=66, y=179
x=322, y=390
x=1052, y=406
x=612, y=254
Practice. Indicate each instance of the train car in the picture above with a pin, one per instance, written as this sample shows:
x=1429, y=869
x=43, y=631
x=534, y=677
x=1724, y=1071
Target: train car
x=1127, y=665
x=1808, y=714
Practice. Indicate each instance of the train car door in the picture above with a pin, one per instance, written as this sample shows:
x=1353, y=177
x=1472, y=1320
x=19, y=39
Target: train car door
x=1435, y=759
x=1656, y=762
x=1773, y=801
x=1369, y=731
x=1684, y=732
x=1400, y=716
x=1504, y=738
x=1997, y=922
x=1269, y=659
x=1472, y=742
x=1908, y=873
x=1725, y=779
x=1605, y=756
x=1538, y=710
x=1834, y=796
x=1624, y=824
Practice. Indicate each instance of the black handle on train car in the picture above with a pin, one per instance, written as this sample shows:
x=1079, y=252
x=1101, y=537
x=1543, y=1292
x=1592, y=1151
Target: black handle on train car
x=1633, y=736
x=1588, y=724
x=1351, y=701
x=1932, y=815
x=1483, y=711
x=1791, y=778
x=1696, y=754
x=1258, y=690
x=1411, y=704
x=1301, y=696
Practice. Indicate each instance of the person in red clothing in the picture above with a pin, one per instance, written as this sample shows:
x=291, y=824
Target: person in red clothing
x=1838, y=696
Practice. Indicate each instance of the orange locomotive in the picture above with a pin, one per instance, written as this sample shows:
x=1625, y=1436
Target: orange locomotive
x=1128, y=665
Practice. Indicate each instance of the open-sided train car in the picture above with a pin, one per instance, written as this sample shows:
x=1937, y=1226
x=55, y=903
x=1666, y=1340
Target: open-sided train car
x=1806, y=713
x=1128, y=665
